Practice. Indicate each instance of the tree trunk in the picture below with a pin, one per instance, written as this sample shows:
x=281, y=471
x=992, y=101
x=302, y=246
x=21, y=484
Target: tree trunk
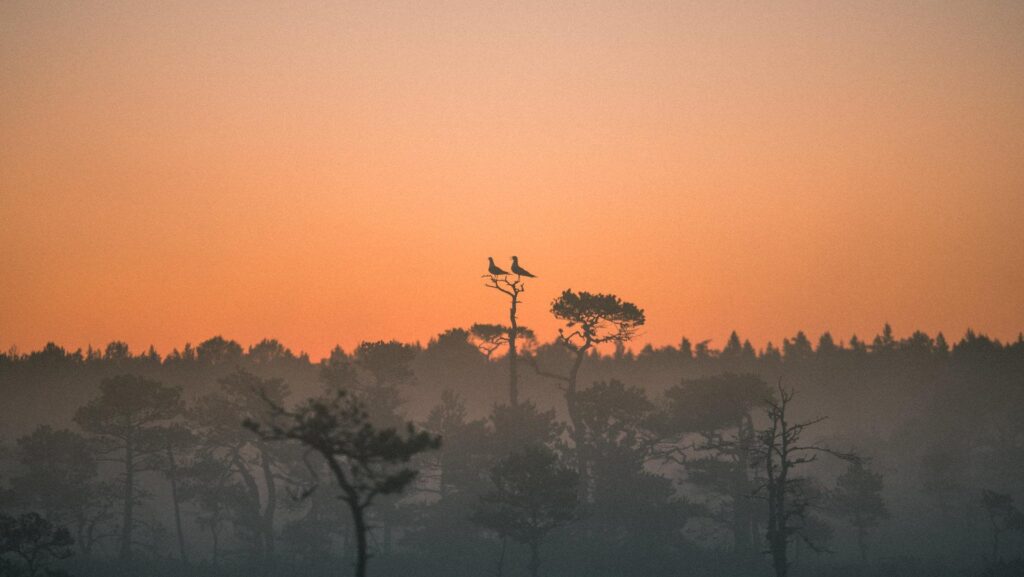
x=30, y=563
x=778, y=540
x=441, y=484
x=780, y=550
x=995, y=542
x=271, y=505
x=358, y=510
x=91, y=538
x=862, y=541
x=254, y=497
x=742, y=516
x=740, y=527
x=501, y=558
x=534, y=559
x=513, y=353
x=779, y=559
x=215, y=534
x=127, y=519
x=172, y=474
x=579, y=439
x=80, y=538
x=578, y=432
x=359, y=521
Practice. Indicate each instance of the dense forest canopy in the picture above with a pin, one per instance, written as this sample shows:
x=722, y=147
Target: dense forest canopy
x=655, y=462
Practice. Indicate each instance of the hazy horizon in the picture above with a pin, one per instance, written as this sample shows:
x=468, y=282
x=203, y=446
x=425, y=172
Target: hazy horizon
x=635, y=346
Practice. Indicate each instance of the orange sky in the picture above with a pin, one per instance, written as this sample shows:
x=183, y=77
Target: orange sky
x=327, y=173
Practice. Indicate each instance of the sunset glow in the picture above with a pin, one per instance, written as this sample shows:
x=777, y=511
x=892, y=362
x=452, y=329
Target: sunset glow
x=341, y=172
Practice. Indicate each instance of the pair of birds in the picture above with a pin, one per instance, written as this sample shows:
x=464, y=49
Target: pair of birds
x=494, y=270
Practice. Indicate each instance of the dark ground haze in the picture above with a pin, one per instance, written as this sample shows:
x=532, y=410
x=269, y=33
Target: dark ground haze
x=654, y=465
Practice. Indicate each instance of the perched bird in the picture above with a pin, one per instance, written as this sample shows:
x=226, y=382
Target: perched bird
x=493, y=268
x=520, y=270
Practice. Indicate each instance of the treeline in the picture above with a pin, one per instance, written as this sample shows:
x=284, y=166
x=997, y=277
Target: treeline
x=868, y=383
x=592, y=460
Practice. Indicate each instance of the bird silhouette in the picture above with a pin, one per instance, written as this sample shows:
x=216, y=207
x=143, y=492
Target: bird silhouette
x=493, y=268
x=520, y=270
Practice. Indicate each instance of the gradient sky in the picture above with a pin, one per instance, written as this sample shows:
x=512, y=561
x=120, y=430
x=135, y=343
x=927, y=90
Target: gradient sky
x=330, y=172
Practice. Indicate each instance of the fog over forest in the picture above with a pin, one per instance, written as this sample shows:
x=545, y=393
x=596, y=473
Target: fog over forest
x=196, y=194
x=491, y=451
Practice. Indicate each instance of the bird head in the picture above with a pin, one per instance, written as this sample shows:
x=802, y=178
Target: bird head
x=515, y=259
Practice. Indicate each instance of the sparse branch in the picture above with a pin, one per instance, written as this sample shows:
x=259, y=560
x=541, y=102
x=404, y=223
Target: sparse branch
x=511, y=288
x=365, y=461
x=779, y=454
x=532, y=361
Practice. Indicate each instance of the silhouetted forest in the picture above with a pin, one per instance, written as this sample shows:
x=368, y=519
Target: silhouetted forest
x=484, y=452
